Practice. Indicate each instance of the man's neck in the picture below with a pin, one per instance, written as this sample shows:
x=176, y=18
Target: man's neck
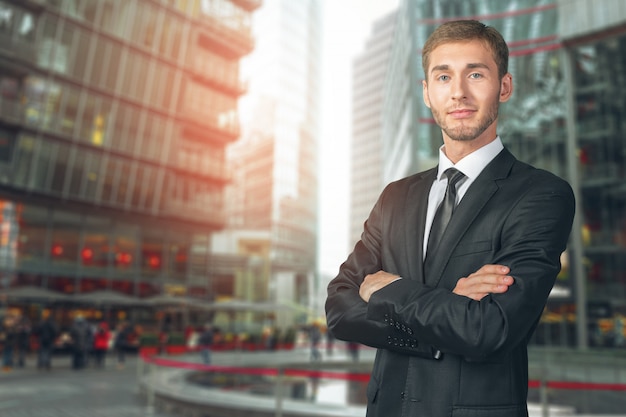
x=455, y=150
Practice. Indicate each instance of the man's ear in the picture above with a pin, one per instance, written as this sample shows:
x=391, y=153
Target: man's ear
x=425, y=93
x=506, y=88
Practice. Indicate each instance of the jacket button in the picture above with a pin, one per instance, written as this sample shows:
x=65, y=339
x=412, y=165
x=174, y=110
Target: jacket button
x=402, y=395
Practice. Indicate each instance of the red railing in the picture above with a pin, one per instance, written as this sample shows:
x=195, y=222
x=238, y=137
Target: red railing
x=148, y=355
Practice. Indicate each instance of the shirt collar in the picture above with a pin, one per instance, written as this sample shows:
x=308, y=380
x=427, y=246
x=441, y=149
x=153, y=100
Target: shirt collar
x=473, y=164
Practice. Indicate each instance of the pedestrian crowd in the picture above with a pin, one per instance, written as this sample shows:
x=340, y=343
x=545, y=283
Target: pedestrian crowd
x=86, y=342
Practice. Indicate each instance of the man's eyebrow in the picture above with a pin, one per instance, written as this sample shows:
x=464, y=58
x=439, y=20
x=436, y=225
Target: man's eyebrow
x=472, y=65
x=442, y=67
x=478, y=65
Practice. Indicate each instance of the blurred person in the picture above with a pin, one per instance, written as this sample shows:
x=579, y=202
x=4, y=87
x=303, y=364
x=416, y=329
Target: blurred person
x=81, y=339
x=101, y=340
x=274, y=338
x=8, y=339
x=315, y=337
x=451, y=318
x=22, y=343
x=353, y=351
x=330, y=342
x=618, y=330
x=190, y=335
x=205, y=342
x=46, y=332
x=122, y=342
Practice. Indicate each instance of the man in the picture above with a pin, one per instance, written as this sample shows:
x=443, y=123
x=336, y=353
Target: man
x=125, y=340
x=22, y=344
x=451, y=320
x=46, y=333
x=205, y=342
x=8, y=338
x=82, y=341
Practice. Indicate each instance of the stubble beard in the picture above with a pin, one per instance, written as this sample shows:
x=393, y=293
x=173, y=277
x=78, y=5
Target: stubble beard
x=465, y=133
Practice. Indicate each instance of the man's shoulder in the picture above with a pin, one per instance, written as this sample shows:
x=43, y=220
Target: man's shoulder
x=507, y=165
x=536, y=174
x=532, y=180
x=410, y=180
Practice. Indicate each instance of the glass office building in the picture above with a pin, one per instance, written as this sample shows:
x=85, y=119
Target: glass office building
x=594, y=44
x=114, y=119
x=366, y=159
x=564, y=116
x=273, y=211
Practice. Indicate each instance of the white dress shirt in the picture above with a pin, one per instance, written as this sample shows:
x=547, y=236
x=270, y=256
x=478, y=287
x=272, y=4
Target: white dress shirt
x=471, y=165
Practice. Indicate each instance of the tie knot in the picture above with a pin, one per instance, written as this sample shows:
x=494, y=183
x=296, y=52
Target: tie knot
x=454, y=176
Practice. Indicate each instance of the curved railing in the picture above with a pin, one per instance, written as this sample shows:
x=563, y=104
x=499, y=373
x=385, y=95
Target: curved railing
x=279, y=373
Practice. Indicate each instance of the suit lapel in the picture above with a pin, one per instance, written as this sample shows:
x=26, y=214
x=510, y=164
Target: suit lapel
x=417, y=204
x=478, y=194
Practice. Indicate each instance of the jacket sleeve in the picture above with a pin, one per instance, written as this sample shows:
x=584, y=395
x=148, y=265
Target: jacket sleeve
x=347, y=313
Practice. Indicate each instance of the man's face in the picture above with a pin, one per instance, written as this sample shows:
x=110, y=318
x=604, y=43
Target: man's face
x=463, y=90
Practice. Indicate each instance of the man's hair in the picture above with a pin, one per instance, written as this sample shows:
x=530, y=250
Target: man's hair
x=465, y=31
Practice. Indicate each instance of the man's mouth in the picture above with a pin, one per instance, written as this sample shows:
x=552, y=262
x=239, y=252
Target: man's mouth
x=461, y=113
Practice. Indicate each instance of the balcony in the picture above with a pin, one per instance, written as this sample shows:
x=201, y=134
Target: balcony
x=229, y=42
x=248, y=5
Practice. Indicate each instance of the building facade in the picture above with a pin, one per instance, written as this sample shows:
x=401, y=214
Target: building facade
x=366, y=157
x=274, y=198
x=114, y=121
x=594, y=48
x=561, y=118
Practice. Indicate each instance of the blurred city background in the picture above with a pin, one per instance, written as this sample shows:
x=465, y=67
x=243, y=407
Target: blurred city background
x=165, y=164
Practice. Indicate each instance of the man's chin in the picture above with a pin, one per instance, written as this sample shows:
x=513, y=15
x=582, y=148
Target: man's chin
x=462, y=135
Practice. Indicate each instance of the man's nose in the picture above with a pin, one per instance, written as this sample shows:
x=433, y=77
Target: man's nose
x=458, y=89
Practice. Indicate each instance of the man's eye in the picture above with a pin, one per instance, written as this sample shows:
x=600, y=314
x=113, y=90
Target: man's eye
x=443, y=78
x=476, y=75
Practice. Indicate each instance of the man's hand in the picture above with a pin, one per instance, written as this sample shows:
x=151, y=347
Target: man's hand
x=374, y=282
x=488, y=279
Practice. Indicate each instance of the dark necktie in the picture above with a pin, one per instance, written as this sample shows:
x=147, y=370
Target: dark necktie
x=445, y=209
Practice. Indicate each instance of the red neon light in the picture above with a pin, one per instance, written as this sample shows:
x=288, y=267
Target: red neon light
x=57, y=250
x=154, y=261
x=124, y=258
x=86, y=254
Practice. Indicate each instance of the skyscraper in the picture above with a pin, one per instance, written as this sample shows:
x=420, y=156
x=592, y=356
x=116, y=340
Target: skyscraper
x=275, y=192
x=369, y=69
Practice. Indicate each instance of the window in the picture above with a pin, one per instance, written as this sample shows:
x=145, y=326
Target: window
x=7, y=142
x=123, y=191
x=59, y=160
x=96, y=246
x=65, y=238
x=23, y=160
x=125, y=247
x=91, y=175
x=32, y=233
x=178, y=256
x=152, y=248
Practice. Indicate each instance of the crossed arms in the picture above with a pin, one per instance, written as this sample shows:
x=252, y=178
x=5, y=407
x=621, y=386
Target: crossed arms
x=476, y=311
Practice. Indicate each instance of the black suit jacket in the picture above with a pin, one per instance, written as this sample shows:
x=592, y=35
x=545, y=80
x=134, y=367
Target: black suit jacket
x=440, y=354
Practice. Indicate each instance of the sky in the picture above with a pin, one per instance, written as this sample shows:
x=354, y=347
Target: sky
x=346, y=26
